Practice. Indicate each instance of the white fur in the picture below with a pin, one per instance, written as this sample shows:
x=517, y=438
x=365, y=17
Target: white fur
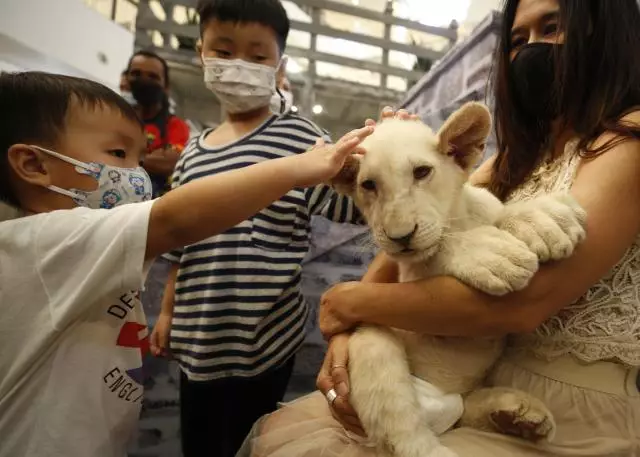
x=460, y=231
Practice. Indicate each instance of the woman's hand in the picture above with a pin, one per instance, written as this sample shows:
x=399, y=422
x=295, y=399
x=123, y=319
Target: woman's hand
x=339, y=304
x=335, y=306
x=335, y=375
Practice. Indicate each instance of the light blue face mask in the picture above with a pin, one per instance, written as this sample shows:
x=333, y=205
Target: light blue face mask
x=116, y=186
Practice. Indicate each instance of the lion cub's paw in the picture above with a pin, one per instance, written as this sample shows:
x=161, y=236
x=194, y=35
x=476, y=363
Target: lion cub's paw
x=552, y=225
x=489, y=260
x=522, y=416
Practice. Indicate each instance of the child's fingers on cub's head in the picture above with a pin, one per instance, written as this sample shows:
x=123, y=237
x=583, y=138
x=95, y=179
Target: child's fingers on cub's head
x=387, y=113
x=345, y=148
x=360, y=133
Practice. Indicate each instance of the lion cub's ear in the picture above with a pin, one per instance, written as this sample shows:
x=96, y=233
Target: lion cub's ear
x=345, y=181
x=463, y=136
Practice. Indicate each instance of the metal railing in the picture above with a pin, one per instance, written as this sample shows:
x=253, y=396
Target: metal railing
x=148, y=22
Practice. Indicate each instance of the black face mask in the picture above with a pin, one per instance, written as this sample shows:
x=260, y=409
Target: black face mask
x=146, y=93
x=532, y=74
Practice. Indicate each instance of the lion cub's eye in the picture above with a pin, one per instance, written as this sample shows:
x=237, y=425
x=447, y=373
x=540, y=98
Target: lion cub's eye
x=422, y=172
x=369, y=184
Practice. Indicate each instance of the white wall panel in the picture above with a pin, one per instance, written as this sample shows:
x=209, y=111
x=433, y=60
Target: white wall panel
x=63, y=36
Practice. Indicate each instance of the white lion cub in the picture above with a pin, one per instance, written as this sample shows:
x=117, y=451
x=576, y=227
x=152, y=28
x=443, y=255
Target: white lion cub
x=411, y=187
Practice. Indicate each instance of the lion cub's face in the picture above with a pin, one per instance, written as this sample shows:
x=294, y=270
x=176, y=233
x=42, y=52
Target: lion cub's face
x=408, y=182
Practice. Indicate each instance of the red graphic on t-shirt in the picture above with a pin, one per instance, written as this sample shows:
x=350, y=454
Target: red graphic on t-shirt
x=130, y=337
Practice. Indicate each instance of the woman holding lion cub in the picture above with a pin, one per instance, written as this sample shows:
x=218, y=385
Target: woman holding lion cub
x=567, y=115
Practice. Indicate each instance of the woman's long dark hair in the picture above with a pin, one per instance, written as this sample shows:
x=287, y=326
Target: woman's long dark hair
x=597, y=83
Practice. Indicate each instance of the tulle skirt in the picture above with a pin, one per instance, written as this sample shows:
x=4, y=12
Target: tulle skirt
x=596, y=408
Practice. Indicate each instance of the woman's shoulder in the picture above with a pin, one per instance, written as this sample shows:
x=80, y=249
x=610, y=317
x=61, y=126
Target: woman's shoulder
x=629, y=120
x=614, y=157
x=633, y=116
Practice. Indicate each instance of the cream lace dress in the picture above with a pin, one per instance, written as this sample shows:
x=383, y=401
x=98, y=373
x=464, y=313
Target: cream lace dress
x=604, y=324
x=597, y=413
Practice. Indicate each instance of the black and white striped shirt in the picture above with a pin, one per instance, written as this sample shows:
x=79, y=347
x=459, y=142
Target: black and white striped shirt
x=238, y=308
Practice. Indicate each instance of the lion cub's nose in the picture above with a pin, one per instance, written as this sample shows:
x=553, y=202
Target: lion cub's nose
x=405, y=239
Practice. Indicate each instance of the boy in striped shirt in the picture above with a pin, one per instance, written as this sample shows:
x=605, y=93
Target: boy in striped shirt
x=233, y=303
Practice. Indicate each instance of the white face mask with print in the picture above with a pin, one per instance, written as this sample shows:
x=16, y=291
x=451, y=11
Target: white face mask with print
x=116, y=186
x=281, y=101
x=239, y=85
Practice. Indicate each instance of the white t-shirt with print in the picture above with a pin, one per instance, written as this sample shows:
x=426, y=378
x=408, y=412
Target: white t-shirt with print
x=72, y=331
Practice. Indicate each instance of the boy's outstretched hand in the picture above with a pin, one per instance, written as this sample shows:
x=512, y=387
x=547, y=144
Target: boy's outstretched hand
x=324, y=161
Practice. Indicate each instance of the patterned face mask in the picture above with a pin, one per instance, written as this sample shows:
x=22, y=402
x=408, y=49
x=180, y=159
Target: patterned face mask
x=239, y=85
x=116, y=186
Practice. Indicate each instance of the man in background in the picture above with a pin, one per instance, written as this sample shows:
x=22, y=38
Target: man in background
x=147, y=76
x=125, y=90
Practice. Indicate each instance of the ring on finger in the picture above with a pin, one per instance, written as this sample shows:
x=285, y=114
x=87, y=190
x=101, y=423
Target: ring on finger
x=331, y=396
x=334, y=367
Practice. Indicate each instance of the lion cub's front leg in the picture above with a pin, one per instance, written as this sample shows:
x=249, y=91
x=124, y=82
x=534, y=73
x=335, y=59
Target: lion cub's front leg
x=488, y=259
x=495, y=262
x=503, y=258
x=383, y=394
x=552, y=225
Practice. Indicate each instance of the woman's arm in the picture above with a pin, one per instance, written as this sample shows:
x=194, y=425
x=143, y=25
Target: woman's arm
x=607, y=187
x=383, y=269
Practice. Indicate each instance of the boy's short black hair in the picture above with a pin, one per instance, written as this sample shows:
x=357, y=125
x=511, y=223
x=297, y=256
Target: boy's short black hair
x=152, y=55
x=33, y=110
x=269, y=13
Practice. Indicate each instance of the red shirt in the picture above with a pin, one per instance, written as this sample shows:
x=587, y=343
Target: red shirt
x=176, y=135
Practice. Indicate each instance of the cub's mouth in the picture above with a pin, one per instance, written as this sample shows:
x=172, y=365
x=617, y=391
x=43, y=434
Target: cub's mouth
x=412, y=253
x=406, y=252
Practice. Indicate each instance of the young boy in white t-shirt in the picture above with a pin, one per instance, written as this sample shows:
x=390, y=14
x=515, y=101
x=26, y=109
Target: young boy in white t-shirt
x=72, y=330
